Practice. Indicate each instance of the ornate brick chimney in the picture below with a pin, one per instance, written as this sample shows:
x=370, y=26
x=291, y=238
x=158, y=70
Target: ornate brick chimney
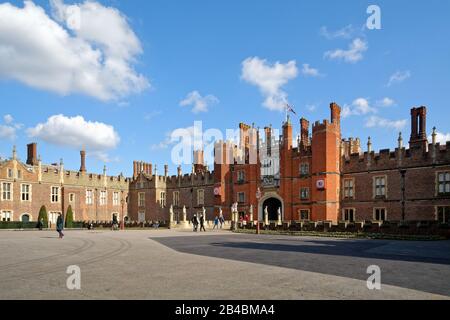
x=32, y=159
x=83, y=161
x=419, y=128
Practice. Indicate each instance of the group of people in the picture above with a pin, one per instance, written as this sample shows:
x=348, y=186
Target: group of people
x=196, y=222
x=59, y=225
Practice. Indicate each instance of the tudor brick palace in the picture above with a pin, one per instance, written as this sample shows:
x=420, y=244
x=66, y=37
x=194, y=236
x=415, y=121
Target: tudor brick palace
x=324, y=178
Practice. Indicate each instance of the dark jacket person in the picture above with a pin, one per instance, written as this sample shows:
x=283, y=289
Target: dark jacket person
x=60, y=226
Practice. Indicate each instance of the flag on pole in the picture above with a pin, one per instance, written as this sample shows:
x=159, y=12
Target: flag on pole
x=289, y=108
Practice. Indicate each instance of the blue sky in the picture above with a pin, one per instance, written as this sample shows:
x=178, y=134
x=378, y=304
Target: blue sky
x=181, y=47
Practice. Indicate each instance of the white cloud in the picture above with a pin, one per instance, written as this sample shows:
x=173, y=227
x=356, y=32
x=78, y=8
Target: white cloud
x=8, y=119
x=90, y=53
x=311, y=107
x=375, y=121
x=386, y=102
x=199, y=103
x=399, y=77
x=270, y=78
x=360, y=106
x=309, y=71
x=441, y=138
x=345, y=33
x=76, y=132
x=353, y=54
x=7, y=132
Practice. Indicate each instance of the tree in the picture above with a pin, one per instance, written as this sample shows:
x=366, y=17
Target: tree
x=69, y=217
x=43, y=215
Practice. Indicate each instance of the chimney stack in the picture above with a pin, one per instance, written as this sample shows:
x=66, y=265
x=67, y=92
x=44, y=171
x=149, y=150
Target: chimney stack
x=83, y=161
x=335, y=113
x=135, y=169
x=268, y=131
x=304, y=135
x=32, y=154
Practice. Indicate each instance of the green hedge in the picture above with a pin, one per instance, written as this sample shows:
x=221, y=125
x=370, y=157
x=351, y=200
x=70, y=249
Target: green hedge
x=18, y=225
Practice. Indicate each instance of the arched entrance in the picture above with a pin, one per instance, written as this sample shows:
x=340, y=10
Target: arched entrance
x=273, y=204
x=273, y=201
x=25, y=218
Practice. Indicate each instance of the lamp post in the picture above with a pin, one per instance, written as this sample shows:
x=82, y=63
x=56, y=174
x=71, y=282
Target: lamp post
x=122, y=222
x=258, y=197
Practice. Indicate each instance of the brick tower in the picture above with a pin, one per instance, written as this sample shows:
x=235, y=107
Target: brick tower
x=286, y=173
x=326, y=139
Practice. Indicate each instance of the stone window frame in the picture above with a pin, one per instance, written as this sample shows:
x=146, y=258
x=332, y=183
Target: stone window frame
x=437, y=183
x=9, y=173
x=353, y=188
x=306, y=172
x=11, y=189
x=141, y=199
x=374, y=179
x=30, y=192
x=116, y=200
x=240, y=176
x=162, y=199
x=446, y=214
x=200, y=197
x=300, y=214
x=3, y=212
x=103, y=198
x=385, y=214
x=71, y=197
x=308, y=194
x=52, y=195
x=91, y=197
x=238, y=197
x=176, y=198
x=343, y=214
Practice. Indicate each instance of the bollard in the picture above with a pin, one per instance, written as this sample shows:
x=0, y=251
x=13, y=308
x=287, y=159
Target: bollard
x=257, y=228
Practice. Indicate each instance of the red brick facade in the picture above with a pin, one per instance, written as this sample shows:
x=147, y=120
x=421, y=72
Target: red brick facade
x=324, y=178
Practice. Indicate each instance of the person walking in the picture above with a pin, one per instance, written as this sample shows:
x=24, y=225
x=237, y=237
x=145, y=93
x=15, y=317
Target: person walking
x=41, y=224
x=216, y=223
x=194, y=221
x=60, y=226
x=202, y=223
x=221, y=220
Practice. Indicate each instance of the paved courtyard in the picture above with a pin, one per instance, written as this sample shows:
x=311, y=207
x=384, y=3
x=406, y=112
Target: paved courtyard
x=167, y=264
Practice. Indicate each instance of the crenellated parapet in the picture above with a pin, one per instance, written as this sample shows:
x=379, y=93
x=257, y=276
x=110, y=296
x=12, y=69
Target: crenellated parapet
x=386, y=159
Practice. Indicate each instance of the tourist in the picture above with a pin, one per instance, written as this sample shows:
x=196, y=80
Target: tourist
x=221, y=220
x=195, y=223
x=115, y=224
x=60, y=226
x=41, y=224
x=202, y=223
x=216, y=223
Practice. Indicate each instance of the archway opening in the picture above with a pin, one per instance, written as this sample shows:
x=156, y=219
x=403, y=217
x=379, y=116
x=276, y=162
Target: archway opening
x=273, y=204
x=25, y=218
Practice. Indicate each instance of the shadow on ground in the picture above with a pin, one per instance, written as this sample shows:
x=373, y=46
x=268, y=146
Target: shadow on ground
x=423, y=266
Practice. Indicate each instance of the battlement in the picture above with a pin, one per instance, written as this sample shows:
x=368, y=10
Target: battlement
x=351, y=146
x=52, y=174
x=192, y=179
x=387, y=159
x=324, y=125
